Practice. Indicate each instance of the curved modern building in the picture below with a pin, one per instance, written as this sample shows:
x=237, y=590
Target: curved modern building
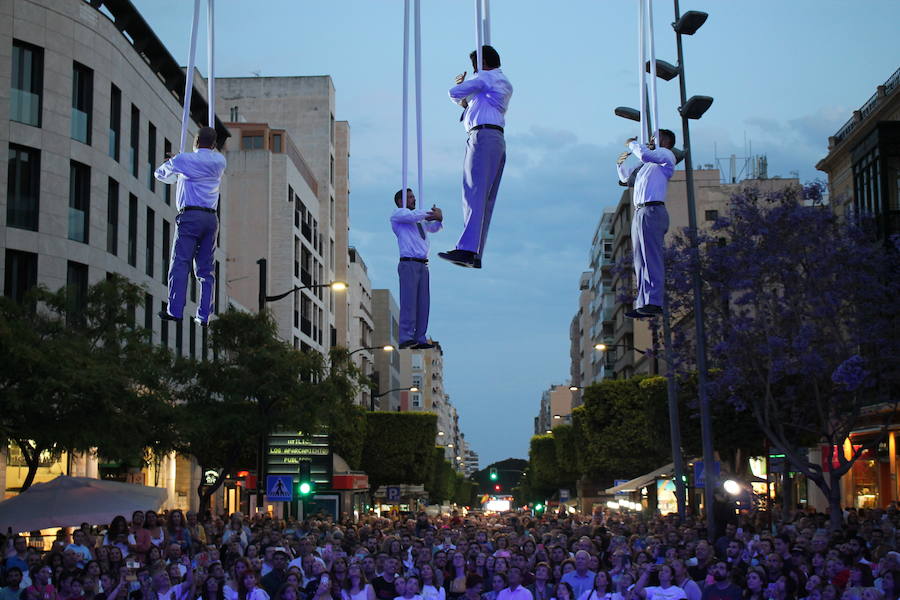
x=90, y=102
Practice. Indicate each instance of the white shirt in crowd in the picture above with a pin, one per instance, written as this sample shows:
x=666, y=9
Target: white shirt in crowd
x=653, y=178
x=520, y=593
x=429, y=592
x=673, y=592
x=405, y=224
x=487, y=94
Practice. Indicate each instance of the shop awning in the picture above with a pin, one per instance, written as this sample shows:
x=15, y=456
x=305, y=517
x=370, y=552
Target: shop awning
x=637, y=483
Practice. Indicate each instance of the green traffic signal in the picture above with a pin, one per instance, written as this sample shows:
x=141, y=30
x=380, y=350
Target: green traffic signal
x=538, y=507
x=494, y=475
x=305, y=488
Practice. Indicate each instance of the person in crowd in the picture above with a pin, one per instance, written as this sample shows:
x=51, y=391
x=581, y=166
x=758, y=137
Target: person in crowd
x=755, y=587
x=721, y=587
x=12, y=591
x=563, y=591
x=153, y=526
x=411, y=589
x=498, y=584
x=273, y=580
x=602, y=589
x=541, y=589
x=431, y=587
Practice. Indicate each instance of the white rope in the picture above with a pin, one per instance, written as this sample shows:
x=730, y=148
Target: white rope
x=653, y=100
x=643, y=80
x=486, y=22
x=478, y=36
x=211, y=62
x=405, y=128
x=417, y=25
x=189, y=77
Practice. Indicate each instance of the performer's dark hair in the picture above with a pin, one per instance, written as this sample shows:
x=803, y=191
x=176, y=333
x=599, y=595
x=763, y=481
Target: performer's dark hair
x=206, y=137
x=399, y=195
x=489, y=56
x=669, y=135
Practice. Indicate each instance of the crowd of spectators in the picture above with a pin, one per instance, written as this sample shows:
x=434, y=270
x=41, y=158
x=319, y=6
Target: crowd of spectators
x=514, y=556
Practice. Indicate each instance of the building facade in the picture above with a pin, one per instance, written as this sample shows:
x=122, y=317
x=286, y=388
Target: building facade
x=581, y=345
x=304, y=108
x=360, y=322
x=386, y=320
x=555, y=409
x=863, y=162
x=91, y=102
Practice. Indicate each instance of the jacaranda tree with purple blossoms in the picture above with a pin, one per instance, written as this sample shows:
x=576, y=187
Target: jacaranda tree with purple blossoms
x=801, y=312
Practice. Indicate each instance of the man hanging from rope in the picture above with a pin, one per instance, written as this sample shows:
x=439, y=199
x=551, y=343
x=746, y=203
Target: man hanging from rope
x=485, y=98
x=410, y=227
x=651, y=220
x=197, y=176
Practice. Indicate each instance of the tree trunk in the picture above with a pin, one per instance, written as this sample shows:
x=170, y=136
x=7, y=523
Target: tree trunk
x=836, y=514
x=205, y=492
x=787, y=494
x=32, y=458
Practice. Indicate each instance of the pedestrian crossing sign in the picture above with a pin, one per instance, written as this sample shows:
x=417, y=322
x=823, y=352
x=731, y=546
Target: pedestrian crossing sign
x=279, y=488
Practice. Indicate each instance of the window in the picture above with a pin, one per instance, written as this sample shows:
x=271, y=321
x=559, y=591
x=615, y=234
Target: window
x=132, y=229
x=233, y=114
x=179, y=330
x=79, y=201
x=416, y=399
x=27, y=87
x=166, y=248
x=251, y=142
x=151, y=157
x=150, y=241
x=135, y=139
x=23, y=187
x=332, y=170
x=76, y=288
x=192, y=340
x=82, y=102
x=203, y=343
x=167, y=190
x=148, y=313
x=115, y=121
x=712, y=215
x=417, y=380
x=112, y=217
x=20, y=275
x=216, y=291
x=276, y=142
x=416, y=361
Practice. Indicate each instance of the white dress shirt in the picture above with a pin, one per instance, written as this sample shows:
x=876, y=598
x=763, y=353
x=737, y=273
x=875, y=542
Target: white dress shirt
x=520, y=593
x=197, y=175
x=653, y=179
x=487, y=95
x=410, y=241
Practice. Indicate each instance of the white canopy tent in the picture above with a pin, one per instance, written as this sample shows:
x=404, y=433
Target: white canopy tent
x=71, y=501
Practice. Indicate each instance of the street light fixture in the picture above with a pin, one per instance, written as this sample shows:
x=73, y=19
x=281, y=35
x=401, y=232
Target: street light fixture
x=557, y=416
x=695, y=107
x=689, y=22
x=386, y=348
x=664, y=70
x=382, y=394
x=601, y=347
x=626, y=112
x=575, y=388
x=732, y=487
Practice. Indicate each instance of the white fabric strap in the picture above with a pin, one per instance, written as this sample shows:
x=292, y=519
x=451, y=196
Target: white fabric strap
x=404, y=161
x=211, y=62
x=486, y=23
x=643, y=80
x=478, y=37
x=654, y=124
x=189, y=77
x=417, y=25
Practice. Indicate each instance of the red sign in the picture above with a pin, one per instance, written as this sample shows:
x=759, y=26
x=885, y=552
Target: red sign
x=350, y=482
x=834, y=463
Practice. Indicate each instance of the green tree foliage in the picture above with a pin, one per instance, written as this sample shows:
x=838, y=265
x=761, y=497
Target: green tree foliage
x=399, y=447
x=77, y=376
x=441, y=485
x=543, y=472
x=464, y=492
x=347, y=432
x=566, y=455
x=258, y=385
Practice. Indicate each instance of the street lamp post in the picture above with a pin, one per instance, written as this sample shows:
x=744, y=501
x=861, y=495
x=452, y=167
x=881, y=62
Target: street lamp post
x=381, y=395
x=694, y=108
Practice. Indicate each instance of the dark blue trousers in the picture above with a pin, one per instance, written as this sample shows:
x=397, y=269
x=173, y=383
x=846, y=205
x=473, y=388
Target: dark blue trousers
x=415, y=301
x=195, y=241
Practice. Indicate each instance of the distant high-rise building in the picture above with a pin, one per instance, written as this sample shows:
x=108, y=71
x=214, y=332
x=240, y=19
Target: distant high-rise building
x=555, y=409
x=386, y=322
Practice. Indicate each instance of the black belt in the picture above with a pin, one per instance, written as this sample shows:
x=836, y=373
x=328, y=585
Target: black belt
x=203, y=208
x=653, y=203
x=424, y=261
x=477, y=127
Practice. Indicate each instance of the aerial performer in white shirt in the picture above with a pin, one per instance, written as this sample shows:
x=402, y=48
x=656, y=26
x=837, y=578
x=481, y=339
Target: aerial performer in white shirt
x=410, y=227
x=197, y=176
x=485, y=98
x=651, y=220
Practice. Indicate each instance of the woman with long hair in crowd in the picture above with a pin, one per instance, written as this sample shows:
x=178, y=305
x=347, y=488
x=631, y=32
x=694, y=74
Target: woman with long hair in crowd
x=602, y=588
x=232, y=587
x=563, y=591
x=154, y=528
x=248, y=588
x=755, y=584
x=138, y=537
x=287, y=592
x=212, y=589
x=177, y=531
x=356, y=587
x=541, y=589
x=456, y=577
x=431, y=588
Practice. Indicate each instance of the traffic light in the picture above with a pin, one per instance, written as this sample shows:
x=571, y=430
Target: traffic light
x=494, y=475
x=497, y=488
x=305, y=485
x=538, y=507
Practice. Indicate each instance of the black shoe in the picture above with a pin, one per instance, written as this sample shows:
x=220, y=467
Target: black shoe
x=165, y=316
x=462, y=258
x=200, y=322
x=476, y=264
x=650, y=310
x=407, y=344
x=635, y=314
x=423, y=346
